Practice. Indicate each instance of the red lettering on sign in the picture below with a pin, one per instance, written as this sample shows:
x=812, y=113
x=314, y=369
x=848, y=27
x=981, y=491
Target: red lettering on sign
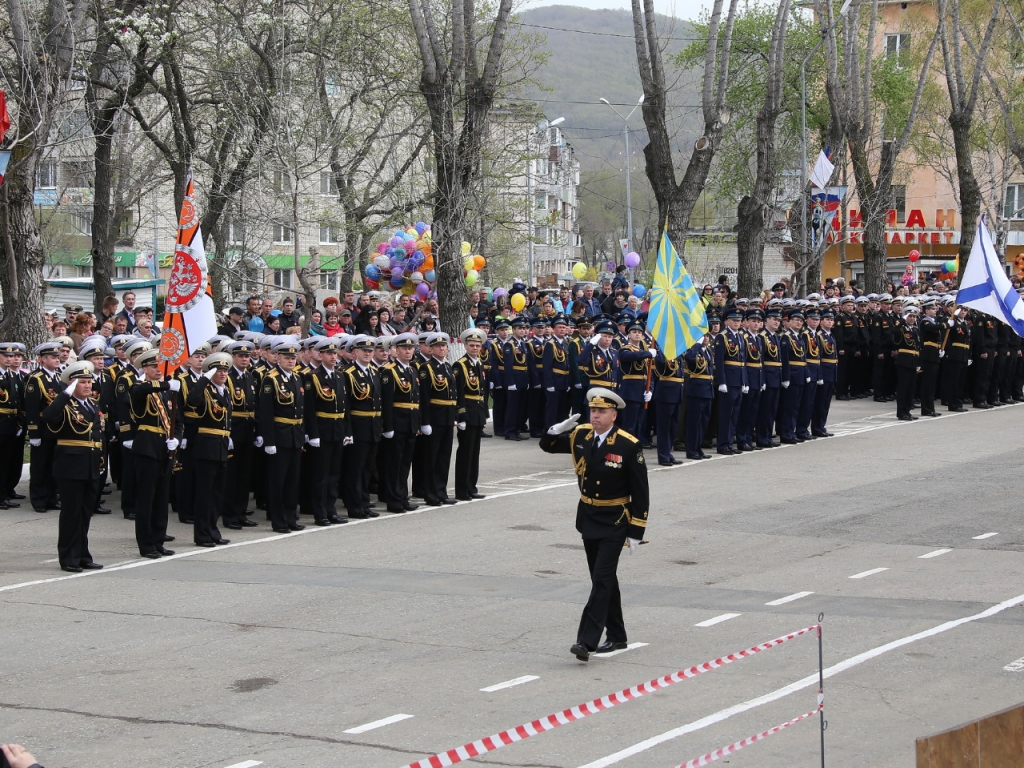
x=855, y=220
x=916, y=219
x=936, y=240
x=945, y=219
x=890, y=217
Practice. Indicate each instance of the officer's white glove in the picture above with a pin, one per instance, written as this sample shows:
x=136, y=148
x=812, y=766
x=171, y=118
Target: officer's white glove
x=969, y=362
x=305, y=438
x=551, y=389
x=210, y=374
x=536, y=386
x=942, y=353
x=184, y=444
x=314, y=443
x=579, y=386
x=231, y=444
x=491, y=385
x=426, y=429
x=633, y=544
x=128, y=444
x=174, y=385
x=18, y=433
x=388, y=435
x=950, y=322
x=348, y=441
x=919, y=370
x=648, y=396
x=723, y=388
x=258, y=442
x=808, y=380
x=745, y=389
x=271, y=450
x=172, y=444
x=35, y=443
x=511, y=387
x=70, y=389
x=593, y=339
x=654, y=352
x=821, y=382
x=764, y=387
x=461, y=425
x=785, y=385
x=564, y=426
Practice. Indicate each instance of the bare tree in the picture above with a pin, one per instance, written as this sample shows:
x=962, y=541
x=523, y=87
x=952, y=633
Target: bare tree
x=677, y=199
x=459, y=95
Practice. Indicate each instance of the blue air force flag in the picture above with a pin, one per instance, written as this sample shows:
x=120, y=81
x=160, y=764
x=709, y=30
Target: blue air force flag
x=986, y=287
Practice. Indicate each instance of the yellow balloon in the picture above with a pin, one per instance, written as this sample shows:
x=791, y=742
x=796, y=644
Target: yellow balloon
x=408, y=288
x=466, y=248
x=518, y=301
x=579, y=270
x=468, y=263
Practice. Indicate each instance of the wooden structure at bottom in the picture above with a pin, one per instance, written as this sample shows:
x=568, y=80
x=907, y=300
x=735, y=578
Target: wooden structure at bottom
x=996, y=741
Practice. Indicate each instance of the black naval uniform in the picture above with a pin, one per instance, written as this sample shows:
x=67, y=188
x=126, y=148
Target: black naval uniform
x=281, y=407
x=437, y=410
x=242, y=389
x=366, y=427
x=76, y=429
x=41, y=389
x=613, y=504
x=12, y=433
x=957, y=347
x=908, y=358
x=471, y=415
x=326, y=401
x=400, y=405
x=152, y=405
x=210, y=447
x=931, y=334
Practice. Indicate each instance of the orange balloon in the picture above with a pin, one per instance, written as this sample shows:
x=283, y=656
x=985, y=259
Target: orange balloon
x=428, y=263
x=428, y=249
x=479, y=262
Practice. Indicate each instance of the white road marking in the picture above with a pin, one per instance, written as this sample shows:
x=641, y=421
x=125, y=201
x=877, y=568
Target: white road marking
x=865, y=574
x=806, y=682
x=509, y=683
x=985, y=536
x=378, y=724
x=246, y=764
x=936, y=553
x=630, y=647
x=789, y=598
x=717, y=620
x=1015, y=666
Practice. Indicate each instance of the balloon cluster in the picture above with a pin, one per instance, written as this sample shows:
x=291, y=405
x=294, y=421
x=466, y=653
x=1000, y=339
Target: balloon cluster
x=948, y=270
x=406, y=263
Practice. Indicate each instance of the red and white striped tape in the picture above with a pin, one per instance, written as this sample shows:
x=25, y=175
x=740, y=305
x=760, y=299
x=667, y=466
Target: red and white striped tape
x=710, y=757
x=525, y=731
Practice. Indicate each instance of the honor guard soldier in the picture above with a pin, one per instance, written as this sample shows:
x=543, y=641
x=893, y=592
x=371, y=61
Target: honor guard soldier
x=635, y=361
x=125, y=426
x=365, y=425
x=746, y=424
x=496, y=374
x=280, y=416
x=77, y=430
x=578, y=379
x=668, y=394
x=931, y=342
x=599, y=360
x=611, y=513
x=41, y=389
x=535, y=360
x=326, y=405
x=827, y=376
x=845, y=333
x=238, y=478
x=813, y=346
x=983, y=344
x=94, y=349
x=882, y=348
x=557, y=377
x=772, y=375
x=699, y=390
x=184, y=480
x=516, y=377
x=210, y=401
x=157, y=433
x=908, y=359
x=470, y=413
x=420, y=459
x=438, y=411
x=794, y=377
x=956, y=349
x=12, y=423
x=400, y=411
x=730, y=378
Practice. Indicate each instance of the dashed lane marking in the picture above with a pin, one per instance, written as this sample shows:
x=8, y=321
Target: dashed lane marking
x=378, y=724
x=509, y=683
x=789, y=598
x=985, y=536
x=936, y=553
x=630, y=647
x=717, y=620
x=865, y=574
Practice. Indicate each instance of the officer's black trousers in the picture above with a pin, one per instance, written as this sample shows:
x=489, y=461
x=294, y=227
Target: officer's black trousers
x=325, y=473
x=42, y=491
x=954, y=383
x=806, y=413
x=842, y=385
x=982, y=373
x=78, y=500
x=929, y=383
x=747, y=422
x=184, y=482
x=399, y=451
x=283, y=487
x=791, y=398
x=604, y=608
x=467, y=461
x=905, y=379
x=15, y=458
x=998, y=366
x=208, y=499
x=536, y=410
x=359, y=461
x=498, y=401
x=556, y=407
x=237, y=482
x=439, y=450
x=728, y=415
x=822, y=405
x=152, y=484
x=767, y=410
x=668, y=423
x=698, y=414
x=420, y=461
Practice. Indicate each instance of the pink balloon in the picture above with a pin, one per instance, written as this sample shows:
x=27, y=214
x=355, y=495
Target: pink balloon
x=381, y=248
x=632, y=260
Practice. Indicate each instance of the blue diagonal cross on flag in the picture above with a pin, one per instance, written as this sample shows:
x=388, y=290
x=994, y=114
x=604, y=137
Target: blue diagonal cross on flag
x=986, y=287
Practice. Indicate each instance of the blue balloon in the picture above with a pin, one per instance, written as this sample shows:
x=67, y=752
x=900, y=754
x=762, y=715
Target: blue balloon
x=639, y=291
x=373, y=272
x=429, y=275
x=418, y=257
x=420, y=227
x=397, y=282
x=256, y=324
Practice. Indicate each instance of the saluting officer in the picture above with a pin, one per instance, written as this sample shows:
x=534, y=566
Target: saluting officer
x=611, y=513
x=77, y=431
x=41, y=389
x=437, y=411
x=280, y=414
x=471, y=413
x=400, y=411
x=242, y=389
x=326, y=405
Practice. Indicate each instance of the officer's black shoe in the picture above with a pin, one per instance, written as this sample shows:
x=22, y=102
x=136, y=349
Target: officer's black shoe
x=337, y=520
x=275, y=529
x=695, y=456
x=478, y=495
x=151, y=555
x=410, y=507
x=517, y=438
x=449, y=500
x=131, y=516
x=982, y=406
x=166, y=552
x=822, y=434
x=186, y=520
x=463, y=498
x=746, y=447
x=580, y=651
x=106, y=492
x=250, y=524
x=486, y=434
x=355, y=516
x=222, y=542
x=726, y=451
x=296, y=527
x=842, y=397
x=168, y=538
x=371, y=513
x=646, y=445
x=432, y=502
x=608, y=647
x=789, y=441
x=802, y=438
x=206, y=544
x=91, y=566
x=98, y=511
x=958, y=410
x=396, y=510
x=19, y=497
x=71, y=568
x=322, y=523
x=233, y=526
x=704, y=455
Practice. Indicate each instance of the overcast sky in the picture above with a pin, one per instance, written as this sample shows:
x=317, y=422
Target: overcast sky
x=682, y=9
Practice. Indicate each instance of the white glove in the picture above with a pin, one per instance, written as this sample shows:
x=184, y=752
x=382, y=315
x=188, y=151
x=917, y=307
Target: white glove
x=969, y=362
x=654, y=352
x=348, y=441
x=821, y=382
x=426, y=429
x=259, y=442
x=18, y=433
x=942, y=353
x=172, y=444
x=648, y=396
x=550, y=389
x=593, y=339
x=388, y=435
x=633, y=544
x=536, y=386
x=461, y=425
x=723, y=388
x=210, y=374
x=579, y=386
x=491, y=385
x=511, y=388
x=231, y=444
x=35, y=443
x=745, y=389
x=785, y=385
x=128, y=444
x=305, y=438
x=314, y=443
x=950, y=322
x=564, y=426
x=918, y=370
x=807, y=380
x=184, y=444
x=271, y=450
x=174, y=385
x=70, y=389
x=764, y=387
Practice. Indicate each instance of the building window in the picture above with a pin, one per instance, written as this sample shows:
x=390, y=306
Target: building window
x=77, y=174
x=54, y=271
x=540, y=201
x=283, y=278
x=328, y=184
x=236, y=232
x=83, y=221
x=1013, y=205
x=123, y=273
x=329, y=280
x=46, y=174
x=541, y=235
x=282, y=183
x=282, y=234
x=76, y=126
x=85, y=271
x=329, y=234
x=899, y=202
x=897, y=45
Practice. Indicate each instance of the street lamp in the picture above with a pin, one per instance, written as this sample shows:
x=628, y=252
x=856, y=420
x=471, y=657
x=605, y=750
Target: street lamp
x=529, y=192
x=803, y=117
x=625, y=133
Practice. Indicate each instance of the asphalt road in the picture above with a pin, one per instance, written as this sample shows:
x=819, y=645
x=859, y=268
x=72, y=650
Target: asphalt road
x=282, y=650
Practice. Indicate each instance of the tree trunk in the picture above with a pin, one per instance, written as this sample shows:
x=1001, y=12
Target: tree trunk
x=351, y=257
x=103, y=229
x=750, y=235
x=970, y=191
x=21, y=277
